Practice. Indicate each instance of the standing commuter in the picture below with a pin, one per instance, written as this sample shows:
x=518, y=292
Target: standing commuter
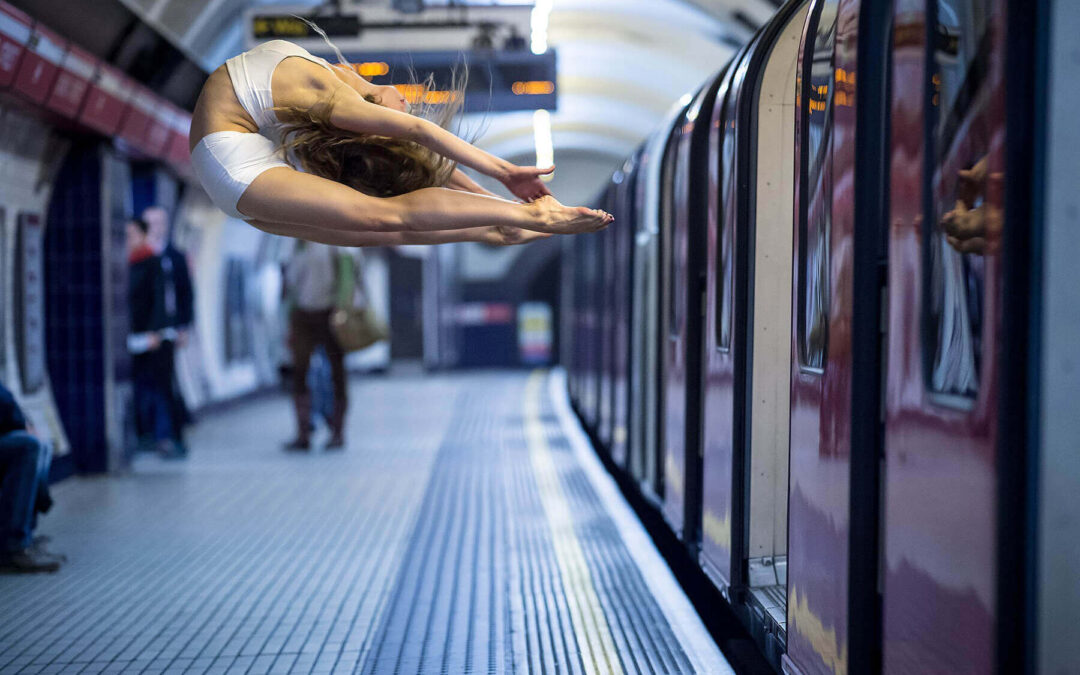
x=22, y=460
x=150, y=363
x=177, y=305
x=318, y=279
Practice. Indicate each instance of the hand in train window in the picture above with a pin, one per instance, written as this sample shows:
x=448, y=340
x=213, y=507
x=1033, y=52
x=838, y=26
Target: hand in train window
x=815, y=227
x=965, y=224
x=974, y=223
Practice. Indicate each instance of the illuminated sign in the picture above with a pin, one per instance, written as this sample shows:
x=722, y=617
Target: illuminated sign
x=534, y=88
x=276, y=26
x=498, y=81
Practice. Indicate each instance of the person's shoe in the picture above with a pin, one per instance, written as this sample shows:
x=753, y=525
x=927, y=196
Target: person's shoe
x=38, y=545
x=299, y=445
x=336, y=442
x=28, y=561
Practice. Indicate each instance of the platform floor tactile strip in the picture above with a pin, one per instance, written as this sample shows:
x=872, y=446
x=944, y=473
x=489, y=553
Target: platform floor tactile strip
x=458, y=533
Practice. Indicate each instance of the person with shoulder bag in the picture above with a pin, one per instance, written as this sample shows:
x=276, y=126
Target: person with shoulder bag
x=320, y=280
x=355, y=324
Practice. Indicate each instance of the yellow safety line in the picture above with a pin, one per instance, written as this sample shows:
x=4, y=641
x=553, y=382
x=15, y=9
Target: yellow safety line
x=586, y=614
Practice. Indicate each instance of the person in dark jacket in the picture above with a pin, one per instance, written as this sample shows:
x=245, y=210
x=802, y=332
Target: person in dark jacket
x=150, y=364
x=21, y=457
x=178, y=307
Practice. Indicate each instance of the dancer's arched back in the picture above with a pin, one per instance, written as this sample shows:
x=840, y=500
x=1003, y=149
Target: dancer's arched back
x=358, y=132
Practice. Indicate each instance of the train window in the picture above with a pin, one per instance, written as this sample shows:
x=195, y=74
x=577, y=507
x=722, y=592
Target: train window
x=725, y=272
x=667, y=223
x=959, y=121
x=815, y=222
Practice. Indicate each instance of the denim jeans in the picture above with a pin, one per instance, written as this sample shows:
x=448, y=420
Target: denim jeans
x=20, y=457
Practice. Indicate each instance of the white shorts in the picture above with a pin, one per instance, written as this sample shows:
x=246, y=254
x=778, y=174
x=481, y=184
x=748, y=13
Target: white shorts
x=226, y=163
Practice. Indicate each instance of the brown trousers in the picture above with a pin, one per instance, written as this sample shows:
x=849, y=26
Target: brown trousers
x=308, y=330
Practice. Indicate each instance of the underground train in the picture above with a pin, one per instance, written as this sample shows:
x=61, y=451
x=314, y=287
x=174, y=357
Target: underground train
x=810, y=341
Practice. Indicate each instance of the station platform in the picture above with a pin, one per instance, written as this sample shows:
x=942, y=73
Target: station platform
x=467, y=528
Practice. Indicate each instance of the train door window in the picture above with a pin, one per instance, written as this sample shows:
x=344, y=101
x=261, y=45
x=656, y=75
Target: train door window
x=815, y=222
x=667, y=222
x=725, y=272
x=959, y=121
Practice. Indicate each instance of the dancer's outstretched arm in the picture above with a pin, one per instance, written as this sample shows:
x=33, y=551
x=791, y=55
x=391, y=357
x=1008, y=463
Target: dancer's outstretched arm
x=460, y=180
x=287, y=196
x=352, y=113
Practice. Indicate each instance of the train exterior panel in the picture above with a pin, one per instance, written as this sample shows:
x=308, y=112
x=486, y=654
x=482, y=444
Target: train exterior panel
x=718, y=397
x=854, y=211
x=623, y=206
x=944, y=327
x=681, y=350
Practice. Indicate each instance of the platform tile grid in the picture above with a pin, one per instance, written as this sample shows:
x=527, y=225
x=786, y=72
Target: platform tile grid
x=458, y=533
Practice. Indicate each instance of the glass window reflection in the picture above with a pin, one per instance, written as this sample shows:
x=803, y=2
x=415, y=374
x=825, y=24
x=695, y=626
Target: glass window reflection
x=816, y=193
x=955, y=239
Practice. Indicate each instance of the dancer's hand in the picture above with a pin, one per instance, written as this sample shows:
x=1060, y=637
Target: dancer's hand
x=558, y=219
x=524, y=182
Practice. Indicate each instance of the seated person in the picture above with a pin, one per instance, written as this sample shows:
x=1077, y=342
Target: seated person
x=22, y=457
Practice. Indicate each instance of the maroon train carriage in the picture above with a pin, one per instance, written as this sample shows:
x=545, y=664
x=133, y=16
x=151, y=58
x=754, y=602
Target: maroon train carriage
x=807, y=365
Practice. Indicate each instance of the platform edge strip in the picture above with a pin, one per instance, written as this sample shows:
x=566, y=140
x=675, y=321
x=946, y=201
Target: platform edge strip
x=587, y=613
x=670, y=597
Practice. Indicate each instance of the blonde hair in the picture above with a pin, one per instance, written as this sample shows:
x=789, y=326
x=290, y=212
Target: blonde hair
x=379, y=166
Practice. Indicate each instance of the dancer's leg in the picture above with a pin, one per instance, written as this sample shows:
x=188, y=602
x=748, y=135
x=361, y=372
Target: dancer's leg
x=289, y=197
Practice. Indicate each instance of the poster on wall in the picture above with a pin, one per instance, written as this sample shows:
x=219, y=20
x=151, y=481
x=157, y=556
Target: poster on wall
x=30, y=302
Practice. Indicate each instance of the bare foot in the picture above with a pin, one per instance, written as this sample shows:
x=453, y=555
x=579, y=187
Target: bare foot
x=558, y=219
x=501, y=235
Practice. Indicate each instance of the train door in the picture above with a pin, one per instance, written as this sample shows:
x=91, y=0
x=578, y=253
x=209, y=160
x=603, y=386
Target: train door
x=834, y=405
x=623, y=208
x=606, y=329
x=645, y=308
x=680, y=338
x=589, y=250
x=944, y=401
x=670, y=480
x=718, y=418
x=567, y=315
x=748, y=326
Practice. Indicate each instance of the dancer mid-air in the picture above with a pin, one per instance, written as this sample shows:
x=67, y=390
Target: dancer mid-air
x=373, y=173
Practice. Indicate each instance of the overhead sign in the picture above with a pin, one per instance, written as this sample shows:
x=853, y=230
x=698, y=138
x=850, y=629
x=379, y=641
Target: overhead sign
x=498, y=81
x=292, y=27
x=385, y=27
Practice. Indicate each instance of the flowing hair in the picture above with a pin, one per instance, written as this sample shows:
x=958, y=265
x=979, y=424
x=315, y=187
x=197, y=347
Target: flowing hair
x=379, y=166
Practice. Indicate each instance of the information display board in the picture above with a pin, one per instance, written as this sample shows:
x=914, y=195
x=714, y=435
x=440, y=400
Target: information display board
x=498, y=81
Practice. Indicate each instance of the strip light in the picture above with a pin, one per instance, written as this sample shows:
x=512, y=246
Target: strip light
x=539, y=22
x=545, y=150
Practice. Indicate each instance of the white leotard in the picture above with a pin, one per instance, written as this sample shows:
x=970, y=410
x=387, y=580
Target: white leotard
x=226, y=162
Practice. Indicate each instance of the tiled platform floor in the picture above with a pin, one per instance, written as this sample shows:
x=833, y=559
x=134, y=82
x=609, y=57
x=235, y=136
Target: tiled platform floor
x=461, y=531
